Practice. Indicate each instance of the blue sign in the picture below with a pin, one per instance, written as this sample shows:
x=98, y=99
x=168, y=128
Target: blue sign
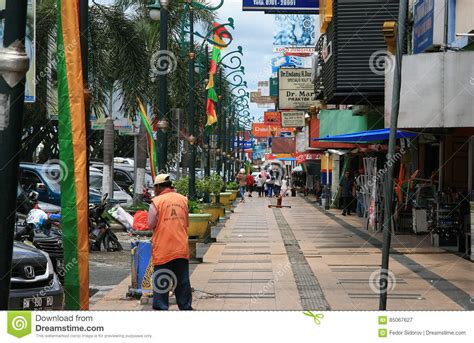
x=423, y=25
x=282, y=6
x=246, y=144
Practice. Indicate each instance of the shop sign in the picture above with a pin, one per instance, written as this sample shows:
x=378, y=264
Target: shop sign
x=282, y=6
x=262, y=130
x=272, y=118
x=292, y=119
x=428, y=28
x=302, y=157
x=296, y=89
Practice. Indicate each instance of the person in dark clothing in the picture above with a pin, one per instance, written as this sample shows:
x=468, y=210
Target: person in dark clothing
x=346, y=188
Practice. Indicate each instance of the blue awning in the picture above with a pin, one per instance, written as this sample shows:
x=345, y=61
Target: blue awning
x=366, y=136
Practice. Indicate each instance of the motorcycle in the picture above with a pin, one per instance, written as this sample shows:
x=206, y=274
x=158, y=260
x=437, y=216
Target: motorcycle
x=44, y=232
x=100, y=232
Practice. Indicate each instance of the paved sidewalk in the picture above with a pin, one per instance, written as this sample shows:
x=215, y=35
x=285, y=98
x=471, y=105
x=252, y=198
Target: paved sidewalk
x=249, y=267
x=308, y=258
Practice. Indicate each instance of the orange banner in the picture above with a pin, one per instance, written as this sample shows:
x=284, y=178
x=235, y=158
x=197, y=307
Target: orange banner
x=262, y=130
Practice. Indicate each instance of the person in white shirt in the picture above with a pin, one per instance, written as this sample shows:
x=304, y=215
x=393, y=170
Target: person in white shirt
x=260, y=185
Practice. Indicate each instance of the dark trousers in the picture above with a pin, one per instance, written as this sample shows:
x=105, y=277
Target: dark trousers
x=346, y=204
x=260, y=191
x=177, y=272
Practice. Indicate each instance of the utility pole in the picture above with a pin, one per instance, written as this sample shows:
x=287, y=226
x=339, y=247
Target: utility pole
x=141, y=164
x=397, y=78
x=219, y=124
x=162, y=132
x=13, y=67
x=192, y=137
x=108, y=171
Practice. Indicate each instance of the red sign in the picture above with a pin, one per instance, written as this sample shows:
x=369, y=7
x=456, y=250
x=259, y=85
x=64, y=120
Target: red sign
x=262, y=130
x=302, y=157
x=272, y=118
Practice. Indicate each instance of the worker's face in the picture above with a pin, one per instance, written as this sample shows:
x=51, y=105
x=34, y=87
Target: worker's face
x=347, y=174
x=158, y=189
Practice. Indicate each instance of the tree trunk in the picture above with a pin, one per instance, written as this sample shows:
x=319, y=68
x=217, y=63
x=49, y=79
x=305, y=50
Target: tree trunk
x=108, y=172
x=141, y=164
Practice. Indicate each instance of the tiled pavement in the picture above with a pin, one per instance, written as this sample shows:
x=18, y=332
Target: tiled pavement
x=304, y=257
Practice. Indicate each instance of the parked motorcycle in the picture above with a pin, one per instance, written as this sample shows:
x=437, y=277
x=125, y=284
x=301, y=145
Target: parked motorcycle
x=44, y=232
x=100, y=232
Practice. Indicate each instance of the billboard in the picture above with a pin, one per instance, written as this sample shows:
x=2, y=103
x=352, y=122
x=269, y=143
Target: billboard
x=283, y=145
x=282, y=6
x=30, y=46
x=272, y=118
x=294, y=30
x=262, y=130
x=296, y=89
x=428, y=26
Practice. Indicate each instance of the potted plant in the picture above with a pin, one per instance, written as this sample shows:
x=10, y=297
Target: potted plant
x=198, y=221
x=233, y=187
x=204, y=188
x=217, y=187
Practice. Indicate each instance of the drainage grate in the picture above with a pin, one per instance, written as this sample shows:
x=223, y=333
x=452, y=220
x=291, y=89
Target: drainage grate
x=239, y=280
x=404, y=296
x=311, y=294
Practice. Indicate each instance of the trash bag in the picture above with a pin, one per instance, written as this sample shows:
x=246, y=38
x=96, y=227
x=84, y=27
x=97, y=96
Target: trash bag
x=122, y=216
x=140, y=221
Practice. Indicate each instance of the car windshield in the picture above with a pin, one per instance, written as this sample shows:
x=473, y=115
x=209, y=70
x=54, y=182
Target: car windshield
x=96, y=182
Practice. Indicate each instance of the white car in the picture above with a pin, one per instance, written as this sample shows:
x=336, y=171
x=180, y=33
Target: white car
x=96, y=182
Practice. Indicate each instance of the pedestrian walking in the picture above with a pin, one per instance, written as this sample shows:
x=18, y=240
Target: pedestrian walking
x=168, y=218
x=270, y=183
x=346, y=186
x=242, y=180
x=250, y=184
x=260, y=185
x=277, y=184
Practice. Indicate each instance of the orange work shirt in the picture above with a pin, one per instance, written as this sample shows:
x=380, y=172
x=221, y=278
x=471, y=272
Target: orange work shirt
x=170, y=236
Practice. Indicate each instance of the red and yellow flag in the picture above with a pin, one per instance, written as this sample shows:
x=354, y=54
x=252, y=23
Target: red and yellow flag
x=219, y=34
x=73, y=158
x=149, y=138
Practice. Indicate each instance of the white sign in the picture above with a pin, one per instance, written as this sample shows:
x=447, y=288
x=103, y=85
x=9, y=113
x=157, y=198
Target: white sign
x=292, y=119
x=293, y=49
x=296, y=89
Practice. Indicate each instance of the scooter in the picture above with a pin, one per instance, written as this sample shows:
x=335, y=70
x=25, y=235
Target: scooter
x=100, y=232
x=44, y=232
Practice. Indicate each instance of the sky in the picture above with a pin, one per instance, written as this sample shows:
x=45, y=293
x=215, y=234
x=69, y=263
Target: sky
x=254, y=32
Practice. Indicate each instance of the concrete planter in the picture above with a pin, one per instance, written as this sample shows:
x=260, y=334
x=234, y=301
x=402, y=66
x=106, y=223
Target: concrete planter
x=233, y=197
x=224, y=198
x=215, y=211
x=198, y=225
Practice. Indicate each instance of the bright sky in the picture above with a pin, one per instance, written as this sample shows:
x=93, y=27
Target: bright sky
x=254, y=32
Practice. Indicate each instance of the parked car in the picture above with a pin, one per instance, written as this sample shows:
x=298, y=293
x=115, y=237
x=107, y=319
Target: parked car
x=124, y=176
x=95, y=179
x=34, y=284
x=24, y=203
x=45, y=179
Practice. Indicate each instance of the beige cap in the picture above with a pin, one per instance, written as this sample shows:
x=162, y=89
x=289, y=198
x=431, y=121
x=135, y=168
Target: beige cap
x=161, y=178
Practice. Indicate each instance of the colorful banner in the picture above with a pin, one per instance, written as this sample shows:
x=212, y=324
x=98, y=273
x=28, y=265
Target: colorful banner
x=302, y=157
x=73, y=158
x=295, y=30
x=283, y=145
x=219, y=34
x=149, y=138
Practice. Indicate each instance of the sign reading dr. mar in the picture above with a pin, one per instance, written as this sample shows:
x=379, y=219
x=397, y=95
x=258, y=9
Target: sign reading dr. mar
x=282, y=6
x=296, y=90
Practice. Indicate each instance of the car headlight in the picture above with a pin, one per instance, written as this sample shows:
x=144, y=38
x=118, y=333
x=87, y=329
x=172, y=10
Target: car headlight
x=50, y=267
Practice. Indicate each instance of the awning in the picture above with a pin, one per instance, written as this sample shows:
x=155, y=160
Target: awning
x=366, y=136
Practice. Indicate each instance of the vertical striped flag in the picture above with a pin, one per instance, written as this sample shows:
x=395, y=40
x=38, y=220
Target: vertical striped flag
x=149, y=138
x=73, y=157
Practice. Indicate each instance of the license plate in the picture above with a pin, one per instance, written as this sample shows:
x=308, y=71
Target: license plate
x=37, y=303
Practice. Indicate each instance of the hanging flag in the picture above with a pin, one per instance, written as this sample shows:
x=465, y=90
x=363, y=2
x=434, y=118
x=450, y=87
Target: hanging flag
x=149, y=138
x=73, y=158
x=220, y=33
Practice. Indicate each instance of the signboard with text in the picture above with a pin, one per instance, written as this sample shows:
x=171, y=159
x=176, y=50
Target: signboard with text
x=262, y=130
x=428, y=26
x=292, y=119
x=282, y=6
x=272, y=118
x=302, y=157
x=296, y=89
